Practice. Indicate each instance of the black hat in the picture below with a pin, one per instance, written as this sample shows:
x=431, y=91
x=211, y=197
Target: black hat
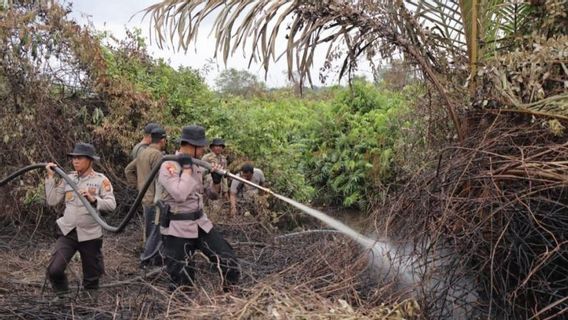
x=217, y=142
x=149, y=127
x=84, y=149
x=158, y=133
x=194, y=135
x=247, y=167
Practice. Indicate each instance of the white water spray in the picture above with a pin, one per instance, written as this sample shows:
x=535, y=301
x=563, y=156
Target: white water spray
x=383, y=254
x=455, y=298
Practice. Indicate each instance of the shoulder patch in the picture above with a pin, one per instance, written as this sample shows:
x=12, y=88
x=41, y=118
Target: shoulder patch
x=106, y=185
x=171, y=168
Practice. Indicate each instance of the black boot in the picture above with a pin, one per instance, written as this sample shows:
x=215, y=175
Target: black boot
x=60, y=286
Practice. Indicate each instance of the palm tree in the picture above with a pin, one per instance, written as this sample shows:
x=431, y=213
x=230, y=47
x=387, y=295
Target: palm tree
x=440, y=36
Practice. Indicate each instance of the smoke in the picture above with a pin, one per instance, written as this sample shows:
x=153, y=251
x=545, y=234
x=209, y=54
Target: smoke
x=421, y=273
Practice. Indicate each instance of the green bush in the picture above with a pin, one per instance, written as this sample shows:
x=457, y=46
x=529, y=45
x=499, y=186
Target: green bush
x=335, y=145
x=352, y=145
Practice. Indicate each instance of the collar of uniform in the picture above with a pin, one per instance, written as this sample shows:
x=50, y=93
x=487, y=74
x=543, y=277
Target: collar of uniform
x=90, y=173
x=154, y=146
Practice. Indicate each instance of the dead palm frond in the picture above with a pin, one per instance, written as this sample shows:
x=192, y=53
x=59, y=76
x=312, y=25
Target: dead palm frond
x=346, y=29
x=306, y=24
x=439, y=35
x=445, y=19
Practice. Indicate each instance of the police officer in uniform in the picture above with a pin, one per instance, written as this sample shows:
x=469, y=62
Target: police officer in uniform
x=146, y=140
x=77, y=229
x=137, y=172
x=188, y=228
x=216, y=155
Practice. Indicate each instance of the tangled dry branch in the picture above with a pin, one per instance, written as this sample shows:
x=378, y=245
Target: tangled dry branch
x=498, y=206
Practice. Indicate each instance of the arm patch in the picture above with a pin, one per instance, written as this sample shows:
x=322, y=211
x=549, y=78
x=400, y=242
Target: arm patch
x=106, y=185
x=172, y=170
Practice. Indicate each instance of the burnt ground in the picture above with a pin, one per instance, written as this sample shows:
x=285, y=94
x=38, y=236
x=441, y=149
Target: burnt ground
x=304, y=275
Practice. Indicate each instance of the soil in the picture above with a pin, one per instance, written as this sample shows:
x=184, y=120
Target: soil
x=309, y=274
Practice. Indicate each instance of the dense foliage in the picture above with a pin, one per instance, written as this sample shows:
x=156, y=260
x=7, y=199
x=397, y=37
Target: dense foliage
x=335, y=145
x=352, y=146
x=339, y=142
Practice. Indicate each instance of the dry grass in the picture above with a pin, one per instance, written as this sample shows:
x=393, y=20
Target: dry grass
x=315, y=276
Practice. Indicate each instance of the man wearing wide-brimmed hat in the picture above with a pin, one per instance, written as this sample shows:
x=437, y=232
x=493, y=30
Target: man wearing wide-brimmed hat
x=189, y=228
x=137, y=172
x=217, y=146
x=146, y=140
x=77, y=229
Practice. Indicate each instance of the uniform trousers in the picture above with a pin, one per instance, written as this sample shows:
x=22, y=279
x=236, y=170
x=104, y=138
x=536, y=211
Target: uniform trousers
x=152, y=238
x=91, y=260
x=180, y=266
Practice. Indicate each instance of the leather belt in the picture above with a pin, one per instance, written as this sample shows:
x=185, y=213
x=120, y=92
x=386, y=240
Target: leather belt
x=186, y=215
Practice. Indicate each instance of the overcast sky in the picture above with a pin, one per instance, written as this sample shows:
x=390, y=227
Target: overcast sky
x=115, y=16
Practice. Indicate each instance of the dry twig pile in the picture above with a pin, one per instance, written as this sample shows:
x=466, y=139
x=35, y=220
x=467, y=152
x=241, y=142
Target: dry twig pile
x=308, y=275
x=498, y=206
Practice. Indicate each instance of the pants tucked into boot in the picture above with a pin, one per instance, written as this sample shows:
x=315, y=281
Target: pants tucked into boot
x=91, y=260
x=180, y=266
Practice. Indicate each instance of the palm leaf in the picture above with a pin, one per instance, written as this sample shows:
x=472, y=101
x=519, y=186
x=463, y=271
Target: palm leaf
x=457, y=21
x=350, y=29
x=506, y=20
x=307, y=24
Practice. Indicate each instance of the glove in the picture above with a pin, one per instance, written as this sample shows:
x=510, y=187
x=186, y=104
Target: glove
x=216, y=177
x=185, y=161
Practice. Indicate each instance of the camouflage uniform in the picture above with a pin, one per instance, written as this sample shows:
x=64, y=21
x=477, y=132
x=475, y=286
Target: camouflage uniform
x=211, y=157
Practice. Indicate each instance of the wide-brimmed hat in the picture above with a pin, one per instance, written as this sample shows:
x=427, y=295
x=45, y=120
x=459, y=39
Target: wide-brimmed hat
x=149, y=127
x=84, y=149
x=217, y=142
x=194, y=135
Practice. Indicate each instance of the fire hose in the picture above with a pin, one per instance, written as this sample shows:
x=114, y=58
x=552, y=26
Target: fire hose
x=380, y=249
x=138, y=199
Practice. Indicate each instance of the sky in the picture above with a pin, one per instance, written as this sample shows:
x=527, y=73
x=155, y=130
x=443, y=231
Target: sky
x=116, y=16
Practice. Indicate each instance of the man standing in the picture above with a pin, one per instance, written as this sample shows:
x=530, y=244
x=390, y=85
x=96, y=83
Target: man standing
x=146, y=140
x=77, y=229
x=188, y=227
x=137, y=172
x=216, y=155
x=243, y=192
